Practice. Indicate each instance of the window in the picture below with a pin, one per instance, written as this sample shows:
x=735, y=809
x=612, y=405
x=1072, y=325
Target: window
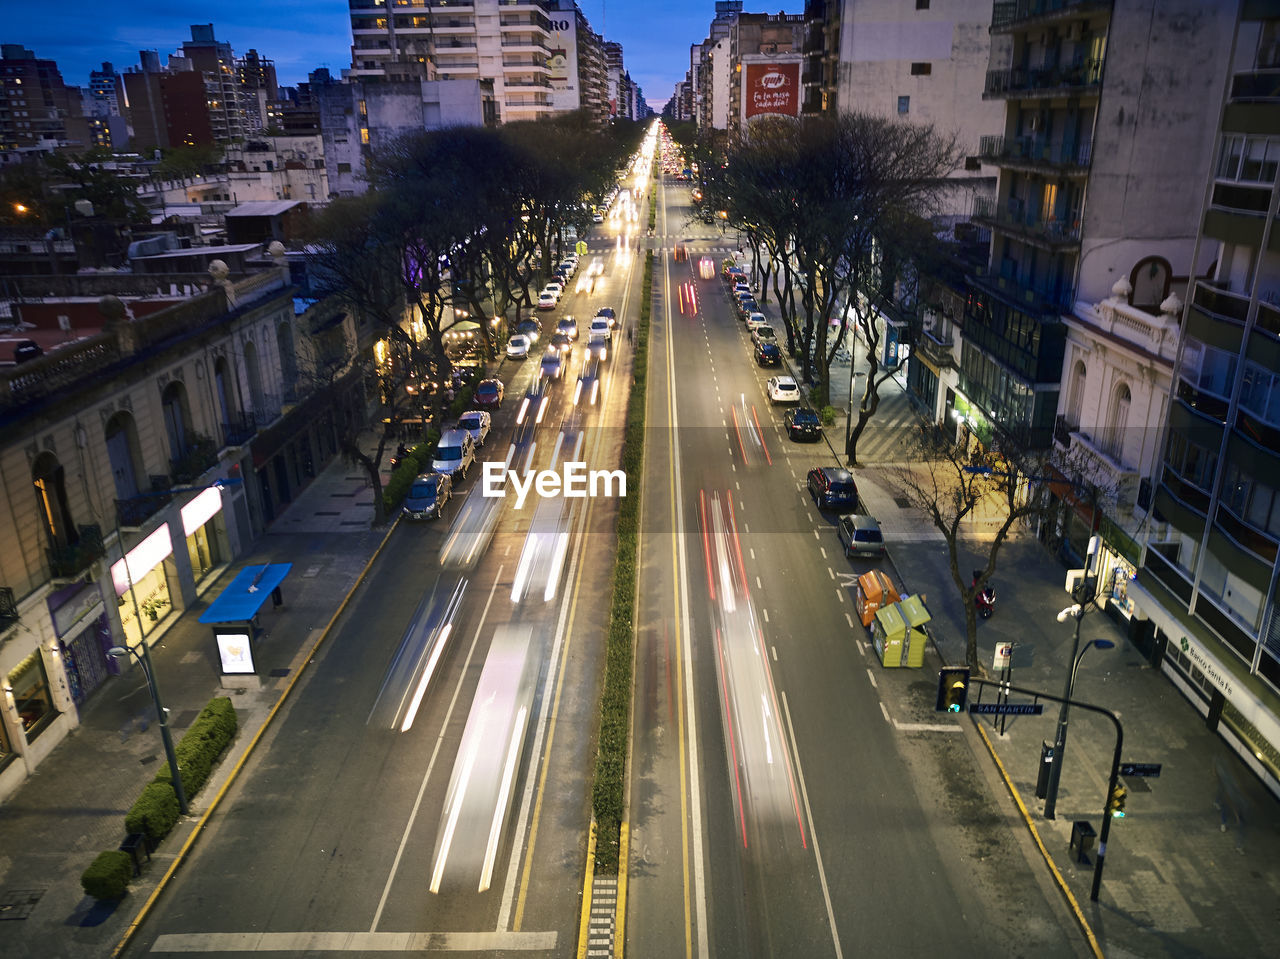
x=921, y=69
x=1248, y=159
x=904, y=105
x=344, y=167
x=1209, y=369
x=922, y=4
x=973, y=163
x=51, y=495
x=1260, y=393
x=1193, y=463
x=30, y=694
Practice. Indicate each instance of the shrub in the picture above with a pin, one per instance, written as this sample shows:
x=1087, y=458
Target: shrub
x=202, y=745
x=108, y=876
x=154, y=813
x=828, y=415
x=402, y=476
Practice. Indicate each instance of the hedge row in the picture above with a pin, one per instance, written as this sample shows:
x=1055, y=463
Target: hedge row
x=156, y=811
x=608, y=789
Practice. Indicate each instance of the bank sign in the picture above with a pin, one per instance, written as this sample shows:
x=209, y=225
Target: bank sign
x=771, y=89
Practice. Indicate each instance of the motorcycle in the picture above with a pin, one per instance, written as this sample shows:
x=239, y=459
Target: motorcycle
x=401, y=453
x=985, y=601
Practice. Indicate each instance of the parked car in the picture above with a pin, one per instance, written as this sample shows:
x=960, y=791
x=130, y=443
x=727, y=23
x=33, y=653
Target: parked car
x=427, y=496
x=531, y=329
x=763, y=334
x=783, y=389
x=518, y=347
x=489, y=393
x=860, y=535
x=547, y=300
x=554, y=286
x=568, y=326
x=477, y=423
x=832, y=487
x=755, y=319
x=802, y=424
x=455, y=452
x=768, y=354
x=748, y=306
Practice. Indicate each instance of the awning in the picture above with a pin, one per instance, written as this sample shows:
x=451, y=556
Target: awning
x=245, y=594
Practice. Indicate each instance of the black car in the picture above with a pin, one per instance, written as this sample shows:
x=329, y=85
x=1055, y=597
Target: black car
x=832, y=487
x=803, y=424
x=768, y=354
x=531, y=329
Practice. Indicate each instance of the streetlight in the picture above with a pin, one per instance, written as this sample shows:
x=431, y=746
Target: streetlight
x=1087, y=596
x=144, y=660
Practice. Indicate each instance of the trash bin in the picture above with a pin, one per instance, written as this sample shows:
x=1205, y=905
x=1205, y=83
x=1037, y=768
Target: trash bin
x=1082, y=836
x=1046, y=766
x=135, y=844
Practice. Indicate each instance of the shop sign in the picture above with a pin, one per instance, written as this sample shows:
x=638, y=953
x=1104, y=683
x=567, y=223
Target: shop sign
x=1209, y=667
x=142, y=559
x=83, y=604
x=201, y=509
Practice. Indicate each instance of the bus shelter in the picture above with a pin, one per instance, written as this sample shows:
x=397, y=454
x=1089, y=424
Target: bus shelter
x=234, y=617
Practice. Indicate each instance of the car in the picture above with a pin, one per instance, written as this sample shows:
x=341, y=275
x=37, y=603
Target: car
x=597, y=217
x=534, y=405
x=596, y=268
x=455, y=452
x=755, y=319
x=802, y=424
x=568, y=326
x=547, y=300
x=518, y=347
x=570, y=266
x=489, y=393
x=427, y=495
x=768, y=354
x=552, y=367
x=554, y=286
x=608, y=313
x=562, y=344
x=586, y=284
x=763, y=334
x=741, y=286
x=706, y=267
x=860, y=535
x=832, y=487
x=601, y=324
x=588, y=389
x=477, y=423
x=598, y=345
x=782, y=389
x=531, y=329
x=561, y=275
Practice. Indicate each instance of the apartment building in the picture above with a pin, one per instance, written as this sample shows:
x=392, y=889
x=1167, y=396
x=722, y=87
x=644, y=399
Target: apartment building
x=224, y=95
x=38, y=110
x=578, y=75
x=508, y=42
x=1208, y=575
x=159, y=434
x=761, y=38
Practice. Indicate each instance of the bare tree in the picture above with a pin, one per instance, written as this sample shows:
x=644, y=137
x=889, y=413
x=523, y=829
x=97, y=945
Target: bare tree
x=978, y=503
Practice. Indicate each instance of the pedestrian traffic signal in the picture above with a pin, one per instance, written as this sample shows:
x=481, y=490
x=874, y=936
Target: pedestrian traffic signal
x=1115, y=804
x=953, y=689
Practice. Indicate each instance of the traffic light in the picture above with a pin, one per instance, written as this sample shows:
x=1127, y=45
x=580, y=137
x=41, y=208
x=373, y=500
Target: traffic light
x=953, y=689
x=1115, y=804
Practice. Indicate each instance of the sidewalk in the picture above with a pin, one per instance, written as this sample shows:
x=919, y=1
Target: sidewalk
x=1181, y=877
x=73, y=807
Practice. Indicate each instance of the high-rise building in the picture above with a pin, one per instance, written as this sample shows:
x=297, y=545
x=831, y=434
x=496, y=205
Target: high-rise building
x=104, y=91
x=509, y=43
x=38, y=110
x=216, y=61
x=1211, y=562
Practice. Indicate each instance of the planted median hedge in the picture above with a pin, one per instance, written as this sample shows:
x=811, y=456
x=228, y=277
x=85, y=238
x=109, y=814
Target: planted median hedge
x=608, y=790
x=156, y=811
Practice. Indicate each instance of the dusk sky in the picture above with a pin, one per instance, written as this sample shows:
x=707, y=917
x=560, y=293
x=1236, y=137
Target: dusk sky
x=300, y=35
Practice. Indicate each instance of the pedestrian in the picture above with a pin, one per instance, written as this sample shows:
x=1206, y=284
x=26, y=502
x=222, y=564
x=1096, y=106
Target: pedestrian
x=630, y=340
x=1230, y=798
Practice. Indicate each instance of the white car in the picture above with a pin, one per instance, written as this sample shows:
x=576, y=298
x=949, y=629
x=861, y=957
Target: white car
x=586, y=284
x=783, y=389
x=597, y=266
x=570, y=266
x=602, y=326
x=554, y=286
x=477, y=423
x=754, y=320
x=518, y=347
x=547, y=300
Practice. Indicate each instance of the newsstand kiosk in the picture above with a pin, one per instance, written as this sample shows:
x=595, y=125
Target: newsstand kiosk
x=898, y=632
x=875, y=591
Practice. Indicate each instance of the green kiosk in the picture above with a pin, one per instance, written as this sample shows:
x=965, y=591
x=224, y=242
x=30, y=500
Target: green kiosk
x=898, y=632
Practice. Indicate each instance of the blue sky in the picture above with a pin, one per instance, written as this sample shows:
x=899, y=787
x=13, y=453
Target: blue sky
x=300, y=35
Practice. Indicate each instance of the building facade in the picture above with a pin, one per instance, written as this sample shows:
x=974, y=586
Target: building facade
x=37, y=110
x=1207, y=581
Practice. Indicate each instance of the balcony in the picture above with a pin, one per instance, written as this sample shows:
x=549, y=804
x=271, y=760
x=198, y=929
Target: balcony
x=199, y=456
x=1020, y=82
x=68, y=562
x=1062, y=430
x=8, y=608
x=1221, y=303
x=1012, y=217
x=1008, y=15
x=1256, y=86
x=267, y=408
x=239, y=431
x=1156, y=335
x=1037, y=154
x=936, y=349
x=133, y=513
x=1047, y=304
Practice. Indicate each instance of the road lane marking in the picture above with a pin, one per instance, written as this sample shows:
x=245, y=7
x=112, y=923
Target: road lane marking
x=831, y=572
x=435, y=751
x=926, y=728
x=885, y=712
x=849, y=619
x=872, y=677
x=813, y=832
x=840, y=594
x=398, y=942
x=765, y=613
x=823, y=551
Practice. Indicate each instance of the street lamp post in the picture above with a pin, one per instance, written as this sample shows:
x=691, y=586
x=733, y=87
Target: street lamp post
x=144, y=660
x=1088, y=594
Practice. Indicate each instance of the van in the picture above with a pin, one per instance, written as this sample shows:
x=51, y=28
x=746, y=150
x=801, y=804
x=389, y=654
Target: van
x=454, y=454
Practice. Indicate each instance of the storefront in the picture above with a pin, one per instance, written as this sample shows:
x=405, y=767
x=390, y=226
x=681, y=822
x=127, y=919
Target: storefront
x=27, y=686
x=84, y=636
x=142, y=585
x=200, y=530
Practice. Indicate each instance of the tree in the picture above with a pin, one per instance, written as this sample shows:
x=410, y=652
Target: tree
x=1002, y=491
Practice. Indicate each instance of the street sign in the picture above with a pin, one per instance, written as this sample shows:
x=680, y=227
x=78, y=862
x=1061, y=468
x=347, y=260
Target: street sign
x=1004, y=653
x=1140, y=770
x=1007, y=709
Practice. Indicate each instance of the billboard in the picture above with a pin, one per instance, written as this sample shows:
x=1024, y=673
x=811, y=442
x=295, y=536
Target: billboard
x=563, y=61
x=771, y=88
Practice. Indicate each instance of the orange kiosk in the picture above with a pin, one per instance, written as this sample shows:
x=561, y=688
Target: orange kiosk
x=875, y=591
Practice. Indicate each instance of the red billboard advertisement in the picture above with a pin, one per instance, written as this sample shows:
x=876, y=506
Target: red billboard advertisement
x=772, y=88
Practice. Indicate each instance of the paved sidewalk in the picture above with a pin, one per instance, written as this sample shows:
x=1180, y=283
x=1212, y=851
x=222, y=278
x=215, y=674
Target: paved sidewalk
x=73, y=807
x=1181, y=877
